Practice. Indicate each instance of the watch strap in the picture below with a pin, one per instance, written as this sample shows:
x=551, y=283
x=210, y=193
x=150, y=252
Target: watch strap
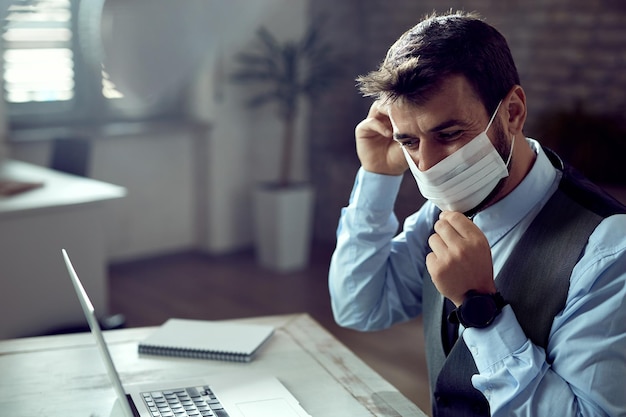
x=456, y=316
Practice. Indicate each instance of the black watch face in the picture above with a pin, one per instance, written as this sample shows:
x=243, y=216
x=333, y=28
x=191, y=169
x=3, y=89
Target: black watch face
x=478, y=311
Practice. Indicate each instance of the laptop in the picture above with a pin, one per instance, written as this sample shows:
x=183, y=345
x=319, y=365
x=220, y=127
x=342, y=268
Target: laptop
x=241, y=395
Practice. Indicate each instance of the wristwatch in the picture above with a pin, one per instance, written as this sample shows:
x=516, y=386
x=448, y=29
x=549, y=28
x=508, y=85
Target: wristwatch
x=478, y=309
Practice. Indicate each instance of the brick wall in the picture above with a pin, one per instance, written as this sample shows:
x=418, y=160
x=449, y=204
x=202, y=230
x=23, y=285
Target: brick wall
x=569, y=53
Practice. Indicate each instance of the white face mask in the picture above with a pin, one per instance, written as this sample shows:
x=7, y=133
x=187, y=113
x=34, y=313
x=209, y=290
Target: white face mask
x=465, y=178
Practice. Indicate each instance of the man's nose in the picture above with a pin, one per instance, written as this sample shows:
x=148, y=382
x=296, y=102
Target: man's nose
x=429, y=155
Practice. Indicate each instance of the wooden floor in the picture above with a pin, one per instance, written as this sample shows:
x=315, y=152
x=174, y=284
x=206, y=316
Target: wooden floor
x=199, y=286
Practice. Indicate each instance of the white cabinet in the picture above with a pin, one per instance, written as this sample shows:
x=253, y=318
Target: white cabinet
x=66, y=212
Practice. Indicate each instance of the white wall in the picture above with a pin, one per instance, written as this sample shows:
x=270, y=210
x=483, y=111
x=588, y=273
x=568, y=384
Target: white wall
x=185, y=188
x=243, y=143
x=159, y=213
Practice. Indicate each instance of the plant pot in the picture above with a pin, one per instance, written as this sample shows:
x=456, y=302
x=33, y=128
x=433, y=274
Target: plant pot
x=283, y=226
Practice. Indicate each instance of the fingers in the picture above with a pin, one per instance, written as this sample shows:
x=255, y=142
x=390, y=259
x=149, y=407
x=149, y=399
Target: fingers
x=377, y=122
x=455, y=234
x=373, y=127
x=461, y=257
x=455, y=225
x=376, y=149
x=378, y=110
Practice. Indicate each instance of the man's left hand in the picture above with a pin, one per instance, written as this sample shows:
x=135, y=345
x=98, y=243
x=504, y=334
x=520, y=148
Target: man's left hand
x=460, y=259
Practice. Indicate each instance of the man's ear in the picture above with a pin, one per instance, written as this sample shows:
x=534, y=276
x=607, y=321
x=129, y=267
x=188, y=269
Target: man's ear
x=515, y=103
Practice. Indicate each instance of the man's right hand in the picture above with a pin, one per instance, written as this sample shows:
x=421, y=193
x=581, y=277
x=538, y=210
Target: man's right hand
x=377, y=150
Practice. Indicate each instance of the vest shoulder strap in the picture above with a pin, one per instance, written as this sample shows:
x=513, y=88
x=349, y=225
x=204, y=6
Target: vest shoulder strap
x=535, y=278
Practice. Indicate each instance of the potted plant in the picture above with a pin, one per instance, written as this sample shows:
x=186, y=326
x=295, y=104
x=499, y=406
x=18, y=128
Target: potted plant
x=285, y=73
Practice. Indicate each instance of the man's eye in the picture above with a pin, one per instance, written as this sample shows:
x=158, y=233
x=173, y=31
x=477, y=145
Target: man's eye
x=450, y=136
x=410, y=144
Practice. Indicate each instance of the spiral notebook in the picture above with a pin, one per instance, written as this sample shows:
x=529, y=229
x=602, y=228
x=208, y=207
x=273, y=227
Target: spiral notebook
x=202, y=339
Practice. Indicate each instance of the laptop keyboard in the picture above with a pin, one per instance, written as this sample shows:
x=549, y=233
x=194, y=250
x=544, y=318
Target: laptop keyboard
x=192, y=402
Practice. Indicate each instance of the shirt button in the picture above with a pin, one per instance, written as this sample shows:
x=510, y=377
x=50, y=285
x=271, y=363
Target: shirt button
x=474, y=350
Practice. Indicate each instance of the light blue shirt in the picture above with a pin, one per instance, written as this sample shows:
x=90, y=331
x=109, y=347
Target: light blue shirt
x=375, y=280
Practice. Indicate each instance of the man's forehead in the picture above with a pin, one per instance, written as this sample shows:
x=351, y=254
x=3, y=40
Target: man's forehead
x=454, y=90
x=436, y=114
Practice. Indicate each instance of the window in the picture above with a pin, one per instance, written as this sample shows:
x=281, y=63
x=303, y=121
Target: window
x=38, y=59
x=52, y=69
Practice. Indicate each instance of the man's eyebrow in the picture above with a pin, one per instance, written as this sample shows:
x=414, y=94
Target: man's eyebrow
x=447, y=124
x=441, y=126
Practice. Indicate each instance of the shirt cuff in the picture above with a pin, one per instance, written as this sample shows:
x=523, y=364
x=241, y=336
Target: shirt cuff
x=375, y=192
x=492, y=344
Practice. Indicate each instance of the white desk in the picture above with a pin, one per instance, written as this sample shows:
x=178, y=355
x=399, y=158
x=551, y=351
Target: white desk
x=66, y=212
x=63, y=375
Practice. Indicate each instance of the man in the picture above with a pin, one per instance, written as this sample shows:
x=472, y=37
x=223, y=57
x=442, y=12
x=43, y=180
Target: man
x=513, y=253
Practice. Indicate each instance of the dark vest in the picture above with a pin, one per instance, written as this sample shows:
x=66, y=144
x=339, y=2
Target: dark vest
x=536, y=290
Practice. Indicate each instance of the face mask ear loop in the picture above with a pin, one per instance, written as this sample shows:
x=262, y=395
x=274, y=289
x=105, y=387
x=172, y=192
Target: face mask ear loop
x=508, y=160
x=493, y=116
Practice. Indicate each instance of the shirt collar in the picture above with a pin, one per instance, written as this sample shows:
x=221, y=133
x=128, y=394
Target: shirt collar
x=498, y=219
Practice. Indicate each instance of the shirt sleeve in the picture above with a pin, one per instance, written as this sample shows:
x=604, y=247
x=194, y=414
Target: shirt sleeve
x=374, y=274
x=581, y=373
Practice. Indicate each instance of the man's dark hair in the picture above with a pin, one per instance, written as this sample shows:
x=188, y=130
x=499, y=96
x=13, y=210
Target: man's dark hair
x=438, y=47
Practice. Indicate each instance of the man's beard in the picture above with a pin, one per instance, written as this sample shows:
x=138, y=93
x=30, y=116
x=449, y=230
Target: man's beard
x=503, y=147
